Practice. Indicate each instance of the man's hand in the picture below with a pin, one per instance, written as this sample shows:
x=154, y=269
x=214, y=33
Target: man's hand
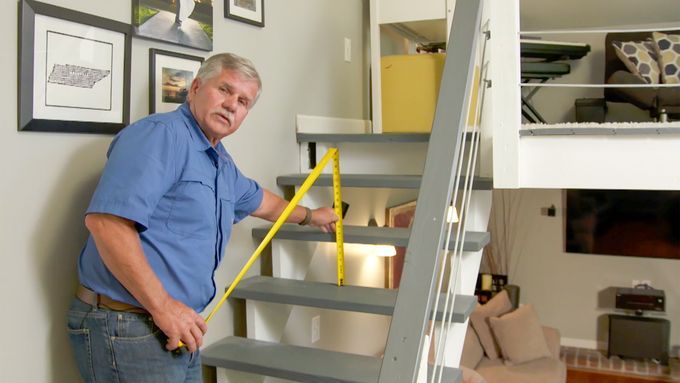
x=179, y=322
x=324, y=218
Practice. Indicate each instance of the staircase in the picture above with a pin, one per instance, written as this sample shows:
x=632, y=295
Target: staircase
x=294, y=294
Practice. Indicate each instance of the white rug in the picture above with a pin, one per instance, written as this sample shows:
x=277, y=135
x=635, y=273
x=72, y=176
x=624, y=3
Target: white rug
x=606, y=125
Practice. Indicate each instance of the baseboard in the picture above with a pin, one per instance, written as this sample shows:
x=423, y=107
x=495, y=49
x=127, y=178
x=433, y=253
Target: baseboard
x=583, y=343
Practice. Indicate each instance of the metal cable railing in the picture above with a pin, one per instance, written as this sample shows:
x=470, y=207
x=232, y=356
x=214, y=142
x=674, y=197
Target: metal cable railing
x=463, y=206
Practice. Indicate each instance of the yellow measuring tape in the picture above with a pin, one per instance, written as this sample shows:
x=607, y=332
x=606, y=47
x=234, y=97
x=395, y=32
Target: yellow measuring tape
x=306, y=185
x=339, y=230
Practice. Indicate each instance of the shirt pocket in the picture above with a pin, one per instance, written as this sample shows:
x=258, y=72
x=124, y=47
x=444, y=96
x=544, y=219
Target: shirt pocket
x=192, y=213
x=226, y=218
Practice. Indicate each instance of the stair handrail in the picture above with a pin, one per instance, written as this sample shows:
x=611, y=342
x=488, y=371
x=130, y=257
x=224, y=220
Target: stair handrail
x=452, y=267
x=418, y=287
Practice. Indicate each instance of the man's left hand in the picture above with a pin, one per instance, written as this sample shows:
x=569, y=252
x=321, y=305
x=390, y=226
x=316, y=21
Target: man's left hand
x=324, y=218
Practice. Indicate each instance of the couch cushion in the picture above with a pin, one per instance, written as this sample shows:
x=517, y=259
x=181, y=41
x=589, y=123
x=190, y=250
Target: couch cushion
x=544, y=370
x=472, y=350
x=471, y=376
x=669, y=56
x=520, y=335
x=498, y=305
x=640, y=58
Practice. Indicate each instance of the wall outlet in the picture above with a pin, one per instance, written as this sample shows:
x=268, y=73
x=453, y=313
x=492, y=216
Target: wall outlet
x=348, y=50
x=316, y=328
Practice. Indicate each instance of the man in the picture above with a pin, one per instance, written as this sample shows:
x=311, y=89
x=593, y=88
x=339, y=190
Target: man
x=159, y=220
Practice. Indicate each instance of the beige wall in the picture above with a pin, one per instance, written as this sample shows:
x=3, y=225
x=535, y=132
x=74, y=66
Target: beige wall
x=47, y=178
x=565, y=287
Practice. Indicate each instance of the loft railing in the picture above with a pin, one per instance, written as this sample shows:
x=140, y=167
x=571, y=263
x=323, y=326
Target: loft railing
x=420, y=282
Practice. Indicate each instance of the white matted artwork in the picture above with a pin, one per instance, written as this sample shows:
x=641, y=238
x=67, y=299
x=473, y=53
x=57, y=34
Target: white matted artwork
x=247, y=11
x=170, y=78
x=75, y=70
x=78, y=72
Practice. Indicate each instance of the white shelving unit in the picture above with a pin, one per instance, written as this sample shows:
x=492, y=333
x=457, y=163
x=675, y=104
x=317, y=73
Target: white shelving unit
x=413, y=20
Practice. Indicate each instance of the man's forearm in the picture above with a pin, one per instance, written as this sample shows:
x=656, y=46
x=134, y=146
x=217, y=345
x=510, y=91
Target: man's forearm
x=119, y=246
x=121, y=251
x=272, y=206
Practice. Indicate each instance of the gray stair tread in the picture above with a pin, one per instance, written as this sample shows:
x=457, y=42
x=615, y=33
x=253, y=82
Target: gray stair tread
x=302, y=364
x=367, y=137
x=474, y=240
x=329, y=296
x=396, y=181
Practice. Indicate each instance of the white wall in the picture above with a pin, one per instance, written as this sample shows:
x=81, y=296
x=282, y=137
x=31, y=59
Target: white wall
x=48, y=178
x=565, y=287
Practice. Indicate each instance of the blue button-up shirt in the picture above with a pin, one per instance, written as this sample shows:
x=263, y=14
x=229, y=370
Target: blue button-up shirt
x=183, y=194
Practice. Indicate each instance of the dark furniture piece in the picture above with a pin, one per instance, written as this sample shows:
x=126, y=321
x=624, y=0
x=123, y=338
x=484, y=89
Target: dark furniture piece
x=639, y=337
x=539, y=65
x=653, y=100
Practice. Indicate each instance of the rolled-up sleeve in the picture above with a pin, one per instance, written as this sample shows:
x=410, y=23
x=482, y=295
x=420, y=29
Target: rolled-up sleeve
x=139, y=171
x=248, y=195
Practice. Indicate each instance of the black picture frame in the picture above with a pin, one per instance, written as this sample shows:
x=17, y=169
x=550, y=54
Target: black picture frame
x=56, y=108
x=189, y=25
x=158, y=101
x=234, y=11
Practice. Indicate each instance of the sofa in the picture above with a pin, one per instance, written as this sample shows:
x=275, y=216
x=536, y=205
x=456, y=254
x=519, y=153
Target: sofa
x=503, y=345
x=635, y=58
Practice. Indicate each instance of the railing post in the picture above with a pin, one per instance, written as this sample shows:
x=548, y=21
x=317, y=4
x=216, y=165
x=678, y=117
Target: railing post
x=418, y=284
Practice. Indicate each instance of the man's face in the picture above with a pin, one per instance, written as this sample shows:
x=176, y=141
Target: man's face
x=221, y=102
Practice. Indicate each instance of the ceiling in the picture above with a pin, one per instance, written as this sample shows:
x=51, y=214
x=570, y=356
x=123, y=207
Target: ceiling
x=562, y=14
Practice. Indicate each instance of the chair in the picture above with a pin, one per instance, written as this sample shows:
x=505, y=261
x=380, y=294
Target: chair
x=650, y=99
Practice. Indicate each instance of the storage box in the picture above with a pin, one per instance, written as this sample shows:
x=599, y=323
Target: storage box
x=590, y=109
x=410, y=86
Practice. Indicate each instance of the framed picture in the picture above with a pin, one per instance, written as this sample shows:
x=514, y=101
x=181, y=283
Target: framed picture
x=74, y=72
x=170, y=77
x=397, y=216
x=183, y=22
x=247, y=11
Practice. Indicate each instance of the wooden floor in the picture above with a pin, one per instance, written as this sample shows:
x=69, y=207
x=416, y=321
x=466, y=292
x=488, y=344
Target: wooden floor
x=590, y=376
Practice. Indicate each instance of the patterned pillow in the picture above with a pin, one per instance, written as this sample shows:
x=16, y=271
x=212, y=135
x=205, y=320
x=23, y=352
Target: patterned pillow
x=669, y=56
x=640, y=58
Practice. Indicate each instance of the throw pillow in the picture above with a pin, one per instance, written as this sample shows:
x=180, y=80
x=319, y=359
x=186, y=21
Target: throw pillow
x=669, y=56
x=496, y=306
x=640, y=58
x=520, y=336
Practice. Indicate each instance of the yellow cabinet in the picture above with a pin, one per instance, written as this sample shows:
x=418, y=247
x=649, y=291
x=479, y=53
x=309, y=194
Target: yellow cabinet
x=409, y=88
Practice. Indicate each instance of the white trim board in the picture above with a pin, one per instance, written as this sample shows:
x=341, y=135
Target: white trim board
x=583, y=343
x=634, y=162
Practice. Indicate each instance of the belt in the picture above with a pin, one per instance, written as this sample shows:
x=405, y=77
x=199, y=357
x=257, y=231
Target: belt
x=98, y=300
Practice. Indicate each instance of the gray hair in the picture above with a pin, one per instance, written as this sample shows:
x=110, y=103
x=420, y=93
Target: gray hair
x=215, y=64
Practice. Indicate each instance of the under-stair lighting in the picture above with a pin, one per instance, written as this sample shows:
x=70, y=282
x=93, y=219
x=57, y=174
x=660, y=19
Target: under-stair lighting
x=384, y=251
x=452, y=215
x=381, y=250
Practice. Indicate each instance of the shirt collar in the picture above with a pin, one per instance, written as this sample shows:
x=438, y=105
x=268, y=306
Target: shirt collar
x=199, y=140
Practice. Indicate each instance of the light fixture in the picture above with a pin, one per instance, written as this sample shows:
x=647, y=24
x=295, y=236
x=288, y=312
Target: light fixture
x=380, y=250
x=452, y=215
x=384, y=251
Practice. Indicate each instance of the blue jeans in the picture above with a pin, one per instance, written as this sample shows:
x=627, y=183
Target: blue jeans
x=115, y=346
